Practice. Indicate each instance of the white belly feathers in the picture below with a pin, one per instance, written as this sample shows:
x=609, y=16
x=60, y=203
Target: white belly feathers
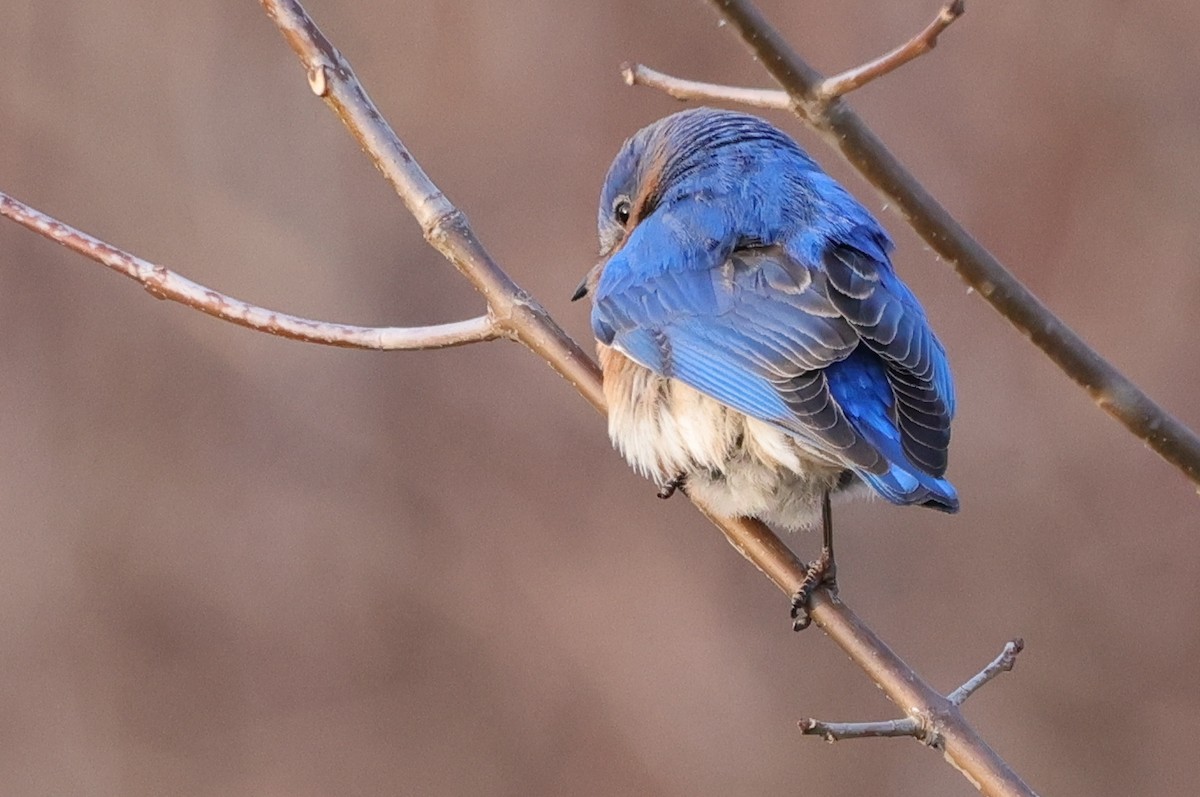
x=733, y=464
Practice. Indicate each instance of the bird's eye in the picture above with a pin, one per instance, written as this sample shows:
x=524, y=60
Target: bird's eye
x=621, y=211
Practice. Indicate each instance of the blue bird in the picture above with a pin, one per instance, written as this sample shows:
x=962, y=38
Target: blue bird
x=758, y=350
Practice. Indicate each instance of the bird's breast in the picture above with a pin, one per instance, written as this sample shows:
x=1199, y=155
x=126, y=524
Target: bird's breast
x=734, y=464
x=661, y=426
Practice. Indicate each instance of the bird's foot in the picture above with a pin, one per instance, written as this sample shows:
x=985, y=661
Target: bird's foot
x=668, y=489
x=822, y=572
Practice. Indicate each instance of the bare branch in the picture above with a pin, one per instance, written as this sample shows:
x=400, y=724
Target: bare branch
x=844, y=130
x=680, y=89
x=515, y=313
x=166, y=284
x=838, y=731
x=1002, y=663
x=962, y=744
x=445, y=227
x=923, y=42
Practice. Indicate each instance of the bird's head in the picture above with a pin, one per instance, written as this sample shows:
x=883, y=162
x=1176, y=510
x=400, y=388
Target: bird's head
x=701, y=153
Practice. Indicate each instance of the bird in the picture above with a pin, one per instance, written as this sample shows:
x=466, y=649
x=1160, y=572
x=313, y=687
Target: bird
x=758, y=350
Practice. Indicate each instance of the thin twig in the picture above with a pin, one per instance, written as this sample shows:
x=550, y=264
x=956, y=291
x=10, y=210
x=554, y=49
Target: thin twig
x=166, y=284
x=680, y=89
x=839, y=731
x=846, y=82
x=1002, y=663
x=843, y=129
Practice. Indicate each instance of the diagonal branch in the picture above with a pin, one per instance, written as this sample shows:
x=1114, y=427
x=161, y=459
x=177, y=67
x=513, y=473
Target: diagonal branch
x=166, y=284
x=331, y=77
x=842, y=128
x=445, y=227
x=1002, y=663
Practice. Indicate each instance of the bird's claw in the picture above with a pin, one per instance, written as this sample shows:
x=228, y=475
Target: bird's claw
x=822, y=572
x=668, y=489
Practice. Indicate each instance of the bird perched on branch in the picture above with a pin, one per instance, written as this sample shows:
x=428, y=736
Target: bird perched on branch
x=759, y=351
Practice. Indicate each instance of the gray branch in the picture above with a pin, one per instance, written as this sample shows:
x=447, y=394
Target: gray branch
x=923, y=725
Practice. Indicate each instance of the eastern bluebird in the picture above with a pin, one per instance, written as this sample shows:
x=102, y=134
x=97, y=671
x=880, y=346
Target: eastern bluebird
x=759, y=351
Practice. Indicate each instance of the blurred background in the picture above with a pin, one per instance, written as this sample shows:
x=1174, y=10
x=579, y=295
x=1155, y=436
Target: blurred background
x=234, y=564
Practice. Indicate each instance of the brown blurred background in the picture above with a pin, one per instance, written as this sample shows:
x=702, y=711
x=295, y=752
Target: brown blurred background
x=232, y=564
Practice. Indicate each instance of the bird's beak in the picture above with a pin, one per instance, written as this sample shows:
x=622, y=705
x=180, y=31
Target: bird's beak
x=589, y=281
x=581, y=291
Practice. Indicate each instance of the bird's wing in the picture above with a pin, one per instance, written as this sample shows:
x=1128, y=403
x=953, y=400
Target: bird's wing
x=885, y=314
x=770, y=336
x=753, y=328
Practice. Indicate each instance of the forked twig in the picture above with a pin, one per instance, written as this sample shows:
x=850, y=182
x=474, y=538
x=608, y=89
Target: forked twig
x=826, y=90
x=921, y=725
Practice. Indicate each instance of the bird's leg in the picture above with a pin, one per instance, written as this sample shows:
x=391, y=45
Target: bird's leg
x=821, y=572
x=668, y=489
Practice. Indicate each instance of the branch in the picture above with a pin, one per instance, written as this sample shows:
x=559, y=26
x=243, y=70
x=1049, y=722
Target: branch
x=1002, y=663
x=839, y=85
x=961, y=743
x=680, y=89
x=827, y=90
x=839, y=731
x=925, y=728
x=843, y=129
x=163, y=283
x=514, y=313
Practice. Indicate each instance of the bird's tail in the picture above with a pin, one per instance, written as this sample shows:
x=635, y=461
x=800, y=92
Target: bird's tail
x=901, y=485
x=860, y=386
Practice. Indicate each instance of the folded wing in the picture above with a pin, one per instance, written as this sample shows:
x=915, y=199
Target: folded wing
x=773, y=337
